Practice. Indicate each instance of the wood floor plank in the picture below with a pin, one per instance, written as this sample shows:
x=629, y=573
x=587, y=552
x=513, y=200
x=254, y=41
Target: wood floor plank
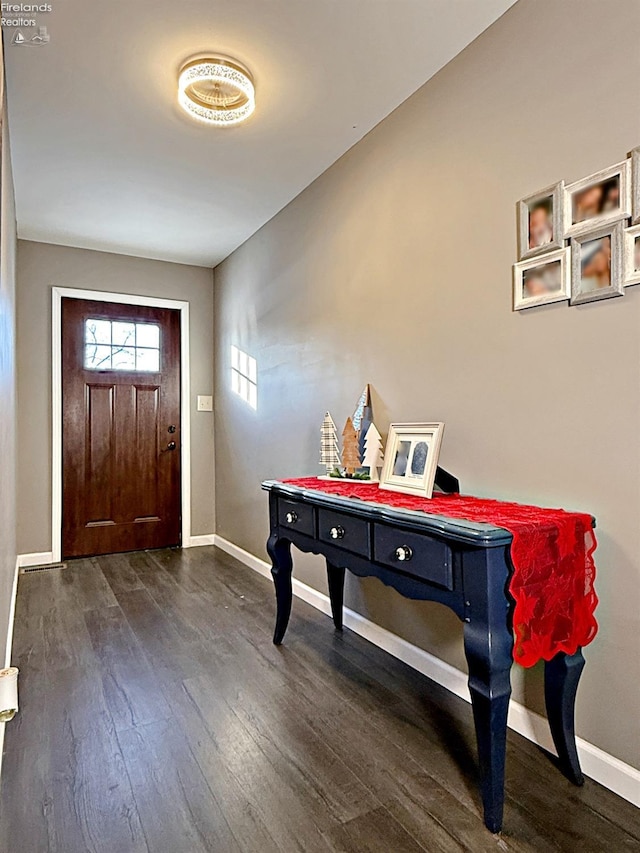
x=119, y=572
x=130, y=687
x=303, y=758
x=375, y=832
x=177, y=808
x=290, y=816
x=169, y=655
x=93, y=805
x=241, y=811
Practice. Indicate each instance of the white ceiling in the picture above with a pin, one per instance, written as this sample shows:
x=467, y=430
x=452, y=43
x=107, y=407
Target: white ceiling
x=104, y=158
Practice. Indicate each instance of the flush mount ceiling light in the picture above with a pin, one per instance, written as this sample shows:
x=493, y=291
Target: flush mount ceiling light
x=216, y=90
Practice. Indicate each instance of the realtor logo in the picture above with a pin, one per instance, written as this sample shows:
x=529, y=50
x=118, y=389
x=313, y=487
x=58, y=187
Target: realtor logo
x=42, y=37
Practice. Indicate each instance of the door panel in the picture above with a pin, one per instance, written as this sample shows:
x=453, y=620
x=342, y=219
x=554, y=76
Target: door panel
x=121, y=394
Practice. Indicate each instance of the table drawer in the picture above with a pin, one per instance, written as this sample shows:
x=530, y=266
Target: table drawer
x=296, y=516
x=413, y=553
x=345, y=531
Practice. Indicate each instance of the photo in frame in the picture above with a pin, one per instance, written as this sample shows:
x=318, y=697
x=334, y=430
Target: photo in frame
x=540, y=221
x=542, y=280
x=597, y=265
x=635, y=186
x=632, y=255
x=411, y=458
x=598, y=200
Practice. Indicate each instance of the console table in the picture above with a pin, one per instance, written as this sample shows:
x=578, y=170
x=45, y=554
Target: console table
x=462, y=564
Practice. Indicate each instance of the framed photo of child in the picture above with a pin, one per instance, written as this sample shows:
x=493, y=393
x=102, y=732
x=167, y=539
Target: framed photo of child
x=597, y=265
x=599, y=200
x=541, y=280
x=540, y=221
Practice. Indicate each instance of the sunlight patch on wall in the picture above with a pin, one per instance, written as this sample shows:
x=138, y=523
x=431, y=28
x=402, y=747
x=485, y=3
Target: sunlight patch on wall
x=244, y=376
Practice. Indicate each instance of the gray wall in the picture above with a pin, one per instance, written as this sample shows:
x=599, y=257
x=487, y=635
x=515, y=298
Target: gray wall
x=394, y=268
x=41, y=267
x=7, y=390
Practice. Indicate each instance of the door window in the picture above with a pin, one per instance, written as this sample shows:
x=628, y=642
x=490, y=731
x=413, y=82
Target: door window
x=117, y=345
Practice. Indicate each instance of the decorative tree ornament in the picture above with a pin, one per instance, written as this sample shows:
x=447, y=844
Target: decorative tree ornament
x=362, y=418
x=350, y=449
x=373, y=453
x=329, y=450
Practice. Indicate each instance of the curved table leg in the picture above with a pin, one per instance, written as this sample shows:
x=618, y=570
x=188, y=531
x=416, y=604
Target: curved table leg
x=335, y=577
x=280, y=552
x=561, y=676
x=490, y=688
x=488, y=646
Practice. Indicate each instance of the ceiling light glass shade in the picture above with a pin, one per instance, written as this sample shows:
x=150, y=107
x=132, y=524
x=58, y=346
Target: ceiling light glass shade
x=216, y=91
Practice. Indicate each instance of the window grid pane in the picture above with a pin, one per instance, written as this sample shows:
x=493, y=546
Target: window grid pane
x=116, y=345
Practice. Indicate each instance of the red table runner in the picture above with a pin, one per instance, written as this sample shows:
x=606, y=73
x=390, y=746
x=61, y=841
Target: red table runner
x=551, y=552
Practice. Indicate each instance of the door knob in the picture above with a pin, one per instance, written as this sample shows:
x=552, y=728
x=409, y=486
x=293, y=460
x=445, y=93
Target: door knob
x=170, y=446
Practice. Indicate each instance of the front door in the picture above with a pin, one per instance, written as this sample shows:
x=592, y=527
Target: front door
x=121, y=427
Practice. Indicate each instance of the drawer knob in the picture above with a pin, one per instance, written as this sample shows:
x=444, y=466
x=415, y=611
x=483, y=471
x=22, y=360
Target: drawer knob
x=291, y=517
x=403, y=553
x=336, y=532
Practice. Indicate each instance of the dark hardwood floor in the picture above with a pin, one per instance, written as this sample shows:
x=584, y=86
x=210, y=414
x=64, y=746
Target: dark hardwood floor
x=156, y=715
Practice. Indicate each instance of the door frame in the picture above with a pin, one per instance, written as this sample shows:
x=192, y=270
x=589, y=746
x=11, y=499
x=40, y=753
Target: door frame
x=57, y=295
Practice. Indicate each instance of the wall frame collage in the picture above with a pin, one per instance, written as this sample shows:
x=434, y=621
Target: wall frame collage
x=580, y=242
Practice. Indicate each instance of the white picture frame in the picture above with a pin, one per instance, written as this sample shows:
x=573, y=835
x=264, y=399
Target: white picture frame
x=594, y=243
x=632, y=255
x=411, y=458
x=542, y=268
x=550, y=198
x=635, y=186
x=593, y=190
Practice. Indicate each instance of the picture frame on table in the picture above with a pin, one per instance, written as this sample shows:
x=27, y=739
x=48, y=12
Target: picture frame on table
x=541, y=221
x=597, y=264
x=598, y=200
x=542, y=280
x=635, y=186
x=411, y=458
x=632, y=255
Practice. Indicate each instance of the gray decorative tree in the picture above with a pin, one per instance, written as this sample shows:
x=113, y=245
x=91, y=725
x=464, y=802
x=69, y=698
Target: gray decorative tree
x=362, y=418
x=329, y=450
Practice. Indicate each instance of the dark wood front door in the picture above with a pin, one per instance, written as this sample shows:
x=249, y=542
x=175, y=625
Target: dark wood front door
x=121, y=427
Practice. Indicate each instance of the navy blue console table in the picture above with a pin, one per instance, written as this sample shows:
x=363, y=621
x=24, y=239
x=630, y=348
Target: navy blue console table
x=462, y=564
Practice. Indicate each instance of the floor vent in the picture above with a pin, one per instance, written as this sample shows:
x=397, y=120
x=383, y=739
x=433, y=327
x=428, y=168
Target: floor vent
x=26, y=570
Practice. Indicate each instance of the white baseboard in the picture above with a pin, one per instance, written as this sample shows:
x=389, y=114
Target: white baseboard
x=9, y=646
x=38, y=558
x=197, y=541
x=609, y=771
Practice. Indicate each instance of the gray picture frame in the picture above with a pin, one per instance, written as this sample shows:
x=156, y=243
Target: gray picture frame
x=635, y=186
x=556, y=193
x=617, y=276
x=623, y=211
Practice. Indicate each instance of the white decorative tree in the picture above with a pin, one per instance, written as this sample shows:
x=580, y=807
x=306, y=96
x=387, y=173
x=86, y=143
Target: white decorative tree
x=373, y=455
x=329, y=450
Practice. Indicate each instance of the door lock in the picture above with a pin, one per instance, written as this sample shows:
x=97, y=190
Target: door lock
x=171, y=429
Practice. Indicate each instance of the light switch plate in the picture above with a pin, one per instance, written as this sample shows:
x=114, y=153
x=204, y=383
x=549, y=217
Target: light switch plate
x=205, y=403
